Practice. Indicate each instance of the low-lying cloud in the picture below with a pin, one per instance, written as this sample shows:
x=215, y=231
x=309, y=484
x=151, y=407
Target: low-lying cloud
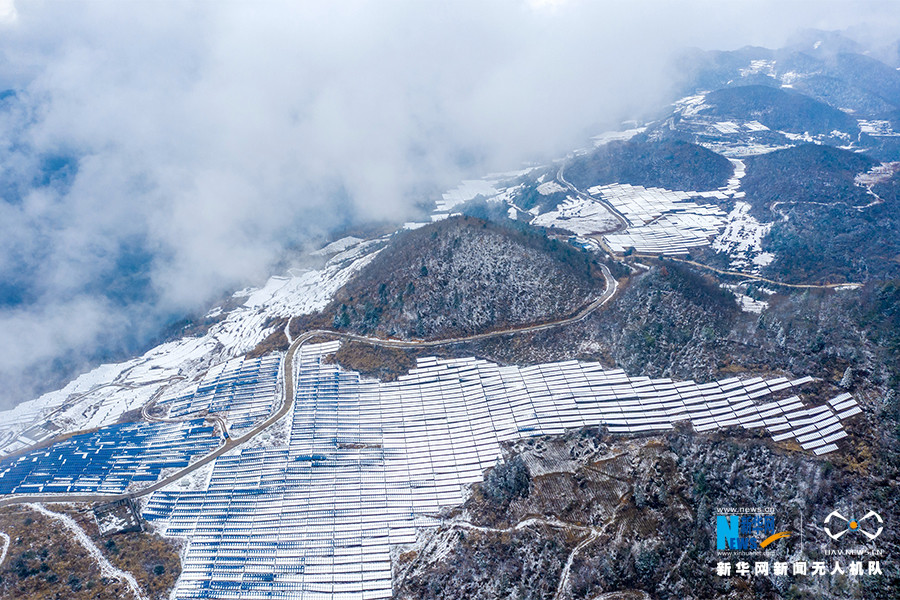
x=153, y=155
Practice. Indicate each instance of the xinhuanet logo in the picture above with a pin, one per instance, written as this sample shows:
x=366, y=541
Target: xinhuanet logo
x=747, y=531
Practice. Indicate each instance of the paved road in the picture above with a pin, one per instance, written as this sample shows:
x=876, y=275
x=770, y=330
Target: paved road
x=612, y=287
x=623, y=222
x=68, y=403
x=804, y=286
x=229, y=444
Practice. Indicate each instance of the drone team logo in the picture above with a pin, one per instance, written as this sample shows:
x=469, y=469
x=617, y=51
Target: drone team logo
x=837, y=525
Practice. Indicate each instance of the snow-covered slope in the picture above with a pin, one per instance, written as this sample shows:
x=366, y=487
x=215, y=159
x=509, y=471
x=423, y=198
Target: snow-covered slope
x=103, y=395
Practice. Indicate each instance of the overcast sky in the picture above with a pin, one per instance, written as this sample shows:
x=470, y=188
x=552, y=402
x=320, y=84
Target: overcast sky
x=154, y=155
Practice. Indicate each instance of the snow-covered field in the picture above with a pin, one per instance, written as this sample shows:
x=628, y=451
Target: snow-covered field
x=877, y=128
x=642, y=205
x=690, y=106
x=745, y=302
x=877, y=174
x=466, y=191
x=675, y=232
x=338, y=246
x=673, y=222
x=766, y=67
x=742, y=240
x=578, y=215
x=6, y=542
x=100, y=397
x=662, y=220
x=369, y=464
x=116, y=517
x=550, y=187
x=616, y=136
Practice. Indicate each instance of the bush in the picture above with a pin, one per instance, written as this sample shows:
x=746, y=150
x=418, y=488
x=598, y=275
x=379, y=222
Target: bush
x=507, y=481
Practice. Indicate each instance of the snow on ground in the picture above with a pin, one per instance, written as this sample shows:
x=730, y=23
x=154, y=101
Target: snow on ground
x=731, y=139
x=877, y=128
x=673, y=222
x=25, y=412
x=766, y=67
x=616, y=136
x=193, y=482
x=663, y=221
x=298, y=294
x=731, y=128
x=100, y=397
x=111, y=522
x=745, y=302
x=6, y=542
x=507, y=195
x=276, y=435
x=741, y=148
x=734, y=183
x=506, y=176
x=727, y=127
x=102, y=408
x=804, y=137
x=690, y=105
x=495, y=187
x=755, y=126
x=742, y=238
x=466, y=191
x=763, y=259
x=106, y=568
x=578, y=215
x=116, y=517
x=550, y=187
x=660, y=220
x=675, y=232
x=338, y=246
x=642, y=205
x=878, y=174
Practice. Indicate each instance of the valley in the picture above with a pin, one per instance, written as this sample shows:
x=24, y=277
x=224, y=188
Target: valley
x=542, y=389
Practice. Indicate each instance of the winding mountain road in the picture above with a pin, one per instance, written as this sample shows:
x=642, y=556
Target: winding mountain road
x=609, y=292
x=623, y=222
x=800, y=286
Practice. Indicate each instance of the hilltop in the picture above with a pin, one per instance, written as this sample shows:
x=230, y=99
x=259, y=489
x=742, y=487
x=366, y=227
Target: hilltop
x=810, y=173
x=460, y=276
x=777, y=109
x=826, y=227
x=670, y=164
